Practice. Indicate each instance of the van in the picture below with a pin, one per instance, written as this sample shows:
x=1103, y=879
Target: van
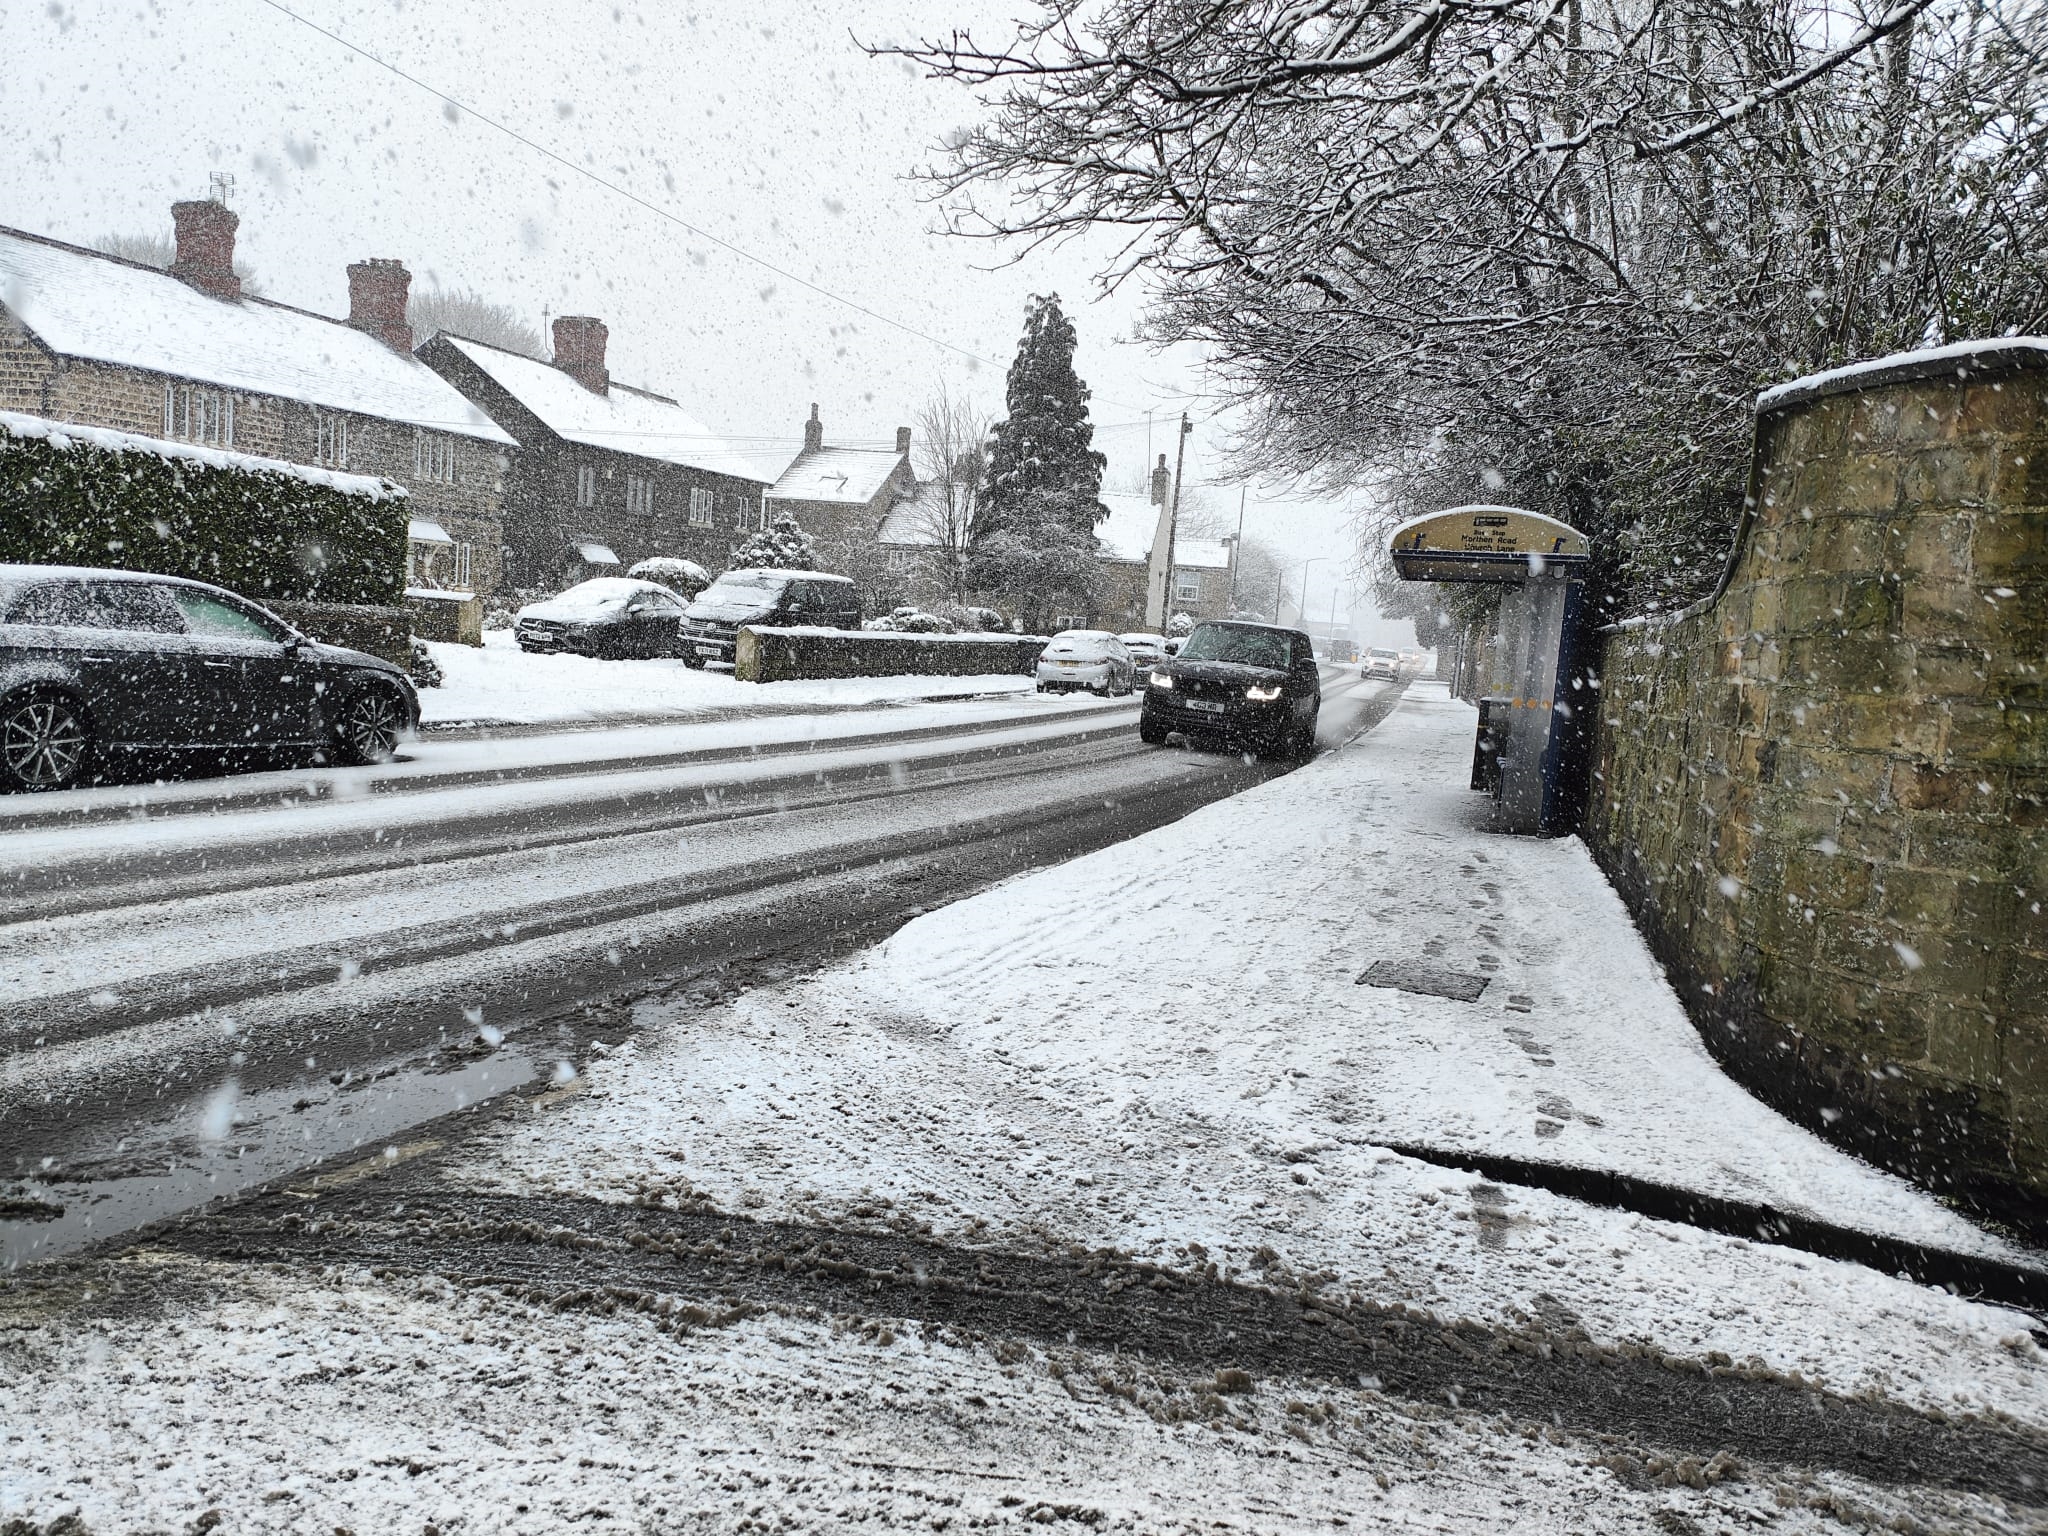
x=767, y=599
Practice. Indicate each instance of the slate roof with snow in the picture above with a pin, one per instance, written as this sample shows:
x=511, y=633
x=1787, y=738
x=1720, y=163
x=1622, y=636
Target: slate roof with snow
x=1126, y=534
x=83, y=304
x=624, y=419
x=853, y=476
x=1201, y=555
x=65, y=435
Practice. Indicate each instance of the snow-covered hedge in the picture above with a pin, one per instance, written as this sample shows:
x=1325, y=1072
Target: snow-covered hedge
x=780, y=655
x=85, y=496
x=686, y=578
x=909, y=621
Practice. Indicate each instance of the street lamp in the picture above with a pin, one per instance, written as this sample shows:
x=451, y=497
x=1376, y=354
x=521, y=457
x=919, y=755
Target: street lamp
x=1301, y=608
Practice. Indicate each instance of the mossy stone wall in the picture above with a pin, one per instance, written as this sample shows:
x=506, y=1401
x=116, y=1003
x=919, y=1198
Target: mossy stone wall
x=1825, y=794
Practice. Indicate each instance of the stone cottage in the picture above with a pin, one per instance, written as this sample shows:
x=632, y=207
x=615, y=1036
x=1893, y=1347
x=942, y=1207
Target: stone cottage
x=185, y=355
x=607, y=474
x=842, y=497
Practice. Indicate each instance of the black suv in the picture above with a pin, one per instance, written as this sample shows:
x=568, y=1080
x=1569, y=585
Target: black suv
x=1254, y=686
x=102, y=671
x=768, y=598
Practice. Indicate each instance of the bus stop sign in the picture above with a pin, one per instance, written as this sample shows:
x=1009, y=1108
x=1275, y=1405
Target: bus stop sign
x=1502, y=545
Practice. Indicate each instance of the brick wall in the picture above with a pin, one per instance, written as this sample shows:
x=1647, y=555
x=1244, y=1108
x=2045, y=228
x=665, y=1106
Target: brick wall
x=1825, y=793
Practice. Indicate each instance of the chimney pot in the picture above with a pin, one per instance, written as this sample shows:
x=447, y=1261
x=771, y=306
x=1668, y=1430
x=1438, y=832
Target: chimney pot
x=377, y=293
x=814, y=431
x=579, y=351
x=206, y=247
x=903, y=439
x=1162, y=483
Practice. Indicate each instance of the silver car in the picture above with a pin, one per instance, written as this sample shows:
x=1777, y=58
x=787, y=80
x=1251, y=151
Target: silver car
x=1093, y=659
x=1145, y=650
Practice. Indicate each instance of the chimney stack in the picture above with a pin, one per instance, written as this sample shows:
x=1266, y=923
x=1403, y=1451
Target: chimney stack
x=814, y=431
x=206, y=247
x=377, y=291
x=1162, y=483
x=903, y=439
x=579, y=351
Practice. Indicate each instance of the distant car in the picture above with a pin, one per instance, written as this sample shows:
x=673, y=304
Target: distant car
x=612, y=616
x=769, y=598
x=1380, y=663
x=1145, y=649
x=1093, y=659
x=1250, y=685
x=1411, y=661
x=109, y=671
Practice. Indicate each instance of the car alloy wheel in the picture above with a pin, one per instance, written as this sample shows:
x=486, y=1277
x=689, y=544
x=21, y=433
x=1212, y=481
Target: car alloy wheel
x=43, y=742
x=367, y=727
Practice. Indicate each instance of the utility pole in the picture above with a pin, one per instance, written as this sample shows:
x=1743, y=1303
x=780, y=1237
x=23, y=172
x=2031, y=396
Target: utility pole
x=1173, y=520
x=1237, y=551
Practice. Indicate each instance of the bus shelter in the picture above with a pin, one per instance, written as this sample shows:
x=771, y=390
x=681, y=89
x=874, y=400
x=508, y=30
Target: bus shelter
x=1540, y=563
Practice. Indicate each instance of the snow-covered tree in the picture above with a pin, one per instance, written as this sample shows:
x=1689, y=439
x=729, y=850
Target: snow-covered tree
x=780, y=546
x=1542, y=251
x=464, y=312
x=950, y=456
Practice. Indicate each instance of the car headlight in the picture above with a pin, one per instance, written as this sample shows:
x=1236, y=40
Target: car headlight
x=1162, y=679
x=1263, y=695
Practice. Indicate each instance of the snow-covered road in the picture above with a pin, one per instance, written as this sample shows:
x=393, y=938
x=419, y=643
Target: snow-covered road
x=246, y=952
x=1069, y=1204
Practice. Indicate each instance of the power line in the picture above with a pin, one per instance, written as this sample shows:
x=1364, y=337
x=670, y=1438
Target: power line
x=633, y=197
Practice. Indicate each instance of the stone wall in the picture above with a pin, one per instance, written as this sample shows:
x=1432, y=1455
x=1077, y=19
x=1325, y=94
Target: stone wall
x=1825, y=791
x=780, y=655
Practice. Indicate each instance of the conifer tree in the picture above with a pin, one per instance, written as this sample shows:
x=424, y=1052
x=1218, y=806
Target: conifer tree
x=1039, y=506
x=783, y=546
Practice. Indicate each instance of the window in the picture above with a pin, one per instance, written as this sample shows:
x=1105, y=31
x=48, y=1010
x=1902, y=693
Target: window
x=433, y=457
x=330, y=440
x=640, y=494
x=138, y=605
x=586, y=485
x=1187, y=586
x=901, y=559
x=743, y=512
x=218, y=619
x=762, y=515
x=702, y=508
x=63, y=603
x=463, y=565
x=196, y=415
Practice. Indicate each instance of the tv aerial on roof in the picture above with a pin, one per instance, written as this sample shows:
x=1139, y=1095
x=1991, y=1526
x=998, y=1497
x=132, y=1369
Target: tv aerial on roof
x=220, y=187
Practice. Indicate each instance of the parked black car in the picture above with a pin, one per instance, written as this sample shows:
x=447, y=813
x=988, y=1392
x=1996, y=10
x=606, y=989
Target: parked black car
x=780, y=599
x=106, y=671
x=1254, y=686
x=606, y=616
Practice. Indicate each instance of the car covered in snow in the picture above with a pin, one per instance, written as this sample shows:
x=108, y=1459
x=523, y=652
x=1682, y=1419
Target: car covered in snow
x=1093, y=659
x=613, y=616
x=768, y=598
x=1254, y=686
x=104, y=673
x=1145, y=649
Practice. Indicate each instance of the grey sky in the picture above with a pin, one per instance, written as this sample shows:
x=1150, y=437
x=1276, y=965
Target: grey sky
x=761, y=124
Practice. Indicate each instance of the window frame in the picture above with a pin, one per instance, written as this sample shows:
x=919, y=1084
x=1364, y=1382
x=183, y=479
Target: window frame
x=330, y=439
x=216, y=414
x=703, y=507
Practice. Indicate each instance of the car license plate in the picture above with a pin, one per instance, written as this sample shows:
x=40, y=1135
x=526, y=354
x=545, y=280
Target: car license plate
x=1206, y=706
x=706, y=650
x=1066, y=663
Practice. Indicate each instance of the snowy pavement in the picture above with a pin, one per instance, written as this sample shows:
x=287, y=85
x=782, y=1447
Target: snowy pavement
x=1160, y=1049
x=498, y=683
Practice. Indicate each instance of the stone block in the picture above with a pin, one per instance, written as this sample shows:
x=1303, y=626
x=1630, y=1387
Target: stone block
x=1928, y=412
x=1966, y=1045
x=2001, y=408
x=1870, y=420
x=1917, y=898
x=1850, y=545
x=1828, y=883
x=1888, y=722
x=1968, y=845
x=2008, y=543
x=1864, y=483
x=1936, y=547
x=2023, y=1056
x=1952, y=475
x=1922, y=787
x=1948, y=671
x=1986, y=734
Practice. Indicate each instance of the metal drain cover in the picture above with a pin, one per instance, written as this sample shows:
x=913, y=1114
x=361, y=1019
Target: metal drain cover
x=1429, y=980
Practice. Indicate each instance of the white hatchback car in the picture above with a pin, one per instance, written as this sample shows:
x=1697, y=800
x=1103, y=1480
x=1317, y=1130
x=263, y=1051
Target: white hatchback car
x=1086, y=658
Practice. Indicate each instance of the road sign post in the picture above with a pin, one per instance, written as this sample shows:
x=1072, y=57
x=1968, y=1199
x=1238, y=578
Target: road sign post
x=1540, y=564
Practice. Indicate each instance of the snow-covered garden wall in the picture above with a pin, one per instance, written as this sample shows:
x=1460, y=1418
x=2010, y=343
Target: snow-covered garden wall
x=273, y=531
x=1825, y=790
x=782, y=655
